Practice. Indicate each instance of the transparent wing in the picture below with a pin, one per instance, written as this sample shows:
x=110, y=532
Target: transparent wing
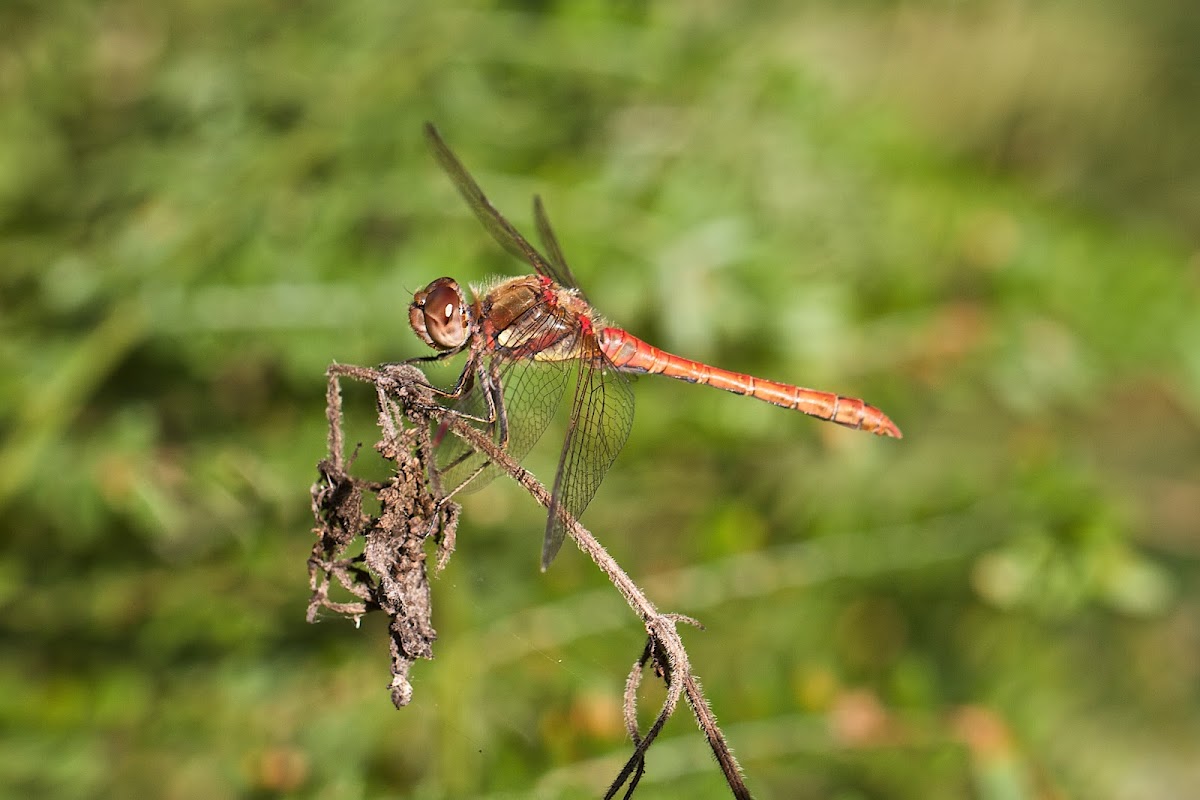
x=500, y=229
x=601, y=418
x=562, y=273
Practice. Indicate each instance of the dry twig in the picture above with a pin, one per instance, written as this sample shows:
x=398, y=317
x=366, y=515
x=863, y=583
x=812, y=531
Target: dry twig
x=390, y=573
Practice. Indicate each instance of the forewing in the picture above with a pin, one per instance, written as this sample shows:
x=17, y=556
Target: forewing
x=562, y=273
x=601, y=418
x=499, y=228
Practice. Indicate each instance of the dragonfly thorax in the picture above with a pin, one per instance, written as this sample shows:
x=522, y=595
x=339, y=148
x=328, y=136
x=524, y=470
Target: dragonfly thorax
x=438, y=315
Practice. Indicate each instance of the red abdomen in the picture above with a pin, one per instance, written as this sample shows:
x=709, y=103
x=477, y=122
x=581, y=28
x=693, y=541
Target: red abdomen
x=631, y=354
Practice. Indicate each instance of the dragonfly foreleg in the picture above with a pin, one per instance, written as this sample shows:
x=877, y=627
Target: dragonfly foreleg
x=439, y=356
x=466, y=378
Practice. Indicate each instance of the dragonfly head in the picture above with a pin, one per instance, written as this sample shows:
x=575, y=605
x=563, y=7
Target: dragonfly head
x=438, y=315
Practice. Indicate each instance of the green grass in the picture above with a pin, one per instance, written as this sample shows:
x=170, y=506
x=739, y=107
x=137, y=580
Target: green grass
x=982, y=220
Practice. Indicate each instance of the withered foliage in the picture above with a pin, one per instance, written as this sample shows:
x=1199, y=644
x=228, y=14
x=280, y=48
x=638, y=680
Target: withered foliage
x=389, y=572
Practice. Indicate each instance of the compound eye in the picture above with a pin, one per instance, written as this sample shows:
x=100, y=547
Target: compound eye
x=442, y=315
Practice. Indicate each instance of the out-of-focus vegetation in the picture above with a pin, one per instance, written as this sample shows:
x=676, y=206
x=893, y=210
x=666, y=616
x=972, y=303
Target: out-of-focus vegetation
x=982, y=217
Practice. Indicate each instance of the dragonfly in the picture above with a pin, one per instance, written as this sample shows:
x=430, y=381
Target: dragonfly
x=526, y=337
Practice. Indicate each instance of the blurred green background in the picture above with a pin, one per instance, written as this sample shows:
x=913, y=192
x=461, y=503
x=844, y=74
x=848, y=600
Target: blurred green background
x=982, y=217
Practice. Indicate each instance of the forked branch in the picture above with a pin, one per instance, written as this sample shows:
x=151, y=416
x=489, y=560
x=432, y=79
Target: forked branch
x=413, y=509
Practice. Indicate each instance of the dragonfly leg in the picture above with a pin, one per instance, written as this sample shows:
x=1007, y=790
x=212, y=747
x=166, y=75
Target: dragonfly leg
x=442, y=356
x=465, y=378
x=433, y=359
x=499, y=416
x=494, y=398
